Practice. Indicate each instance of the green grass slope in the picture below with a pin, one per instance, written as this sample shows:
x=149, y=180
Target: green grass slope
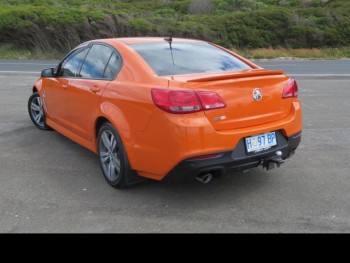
x=56, y=26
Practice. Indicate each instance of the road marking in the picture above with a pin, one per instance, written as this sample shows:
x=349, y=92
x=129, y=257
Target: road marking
x=319, y=75
x=326, y=129
x=25, y=63
x=291, y=74
x=22, y=72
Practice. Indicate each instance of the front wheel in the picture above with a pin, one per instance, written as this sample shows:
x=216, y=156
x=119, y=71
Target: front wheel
x=36, y=112
x=112, y=156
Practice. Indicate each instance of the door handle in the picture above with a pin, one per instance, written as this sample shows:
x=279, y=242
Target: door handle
x=95, y=89
x=64, y=86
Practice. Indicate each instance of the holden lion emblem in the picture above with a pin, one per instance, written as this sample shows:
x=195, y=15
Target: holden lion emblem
x=257, y=94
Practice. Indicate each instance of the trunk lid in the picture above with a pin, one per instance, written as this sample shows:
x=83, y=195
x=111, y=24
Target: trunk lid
x=237, y=89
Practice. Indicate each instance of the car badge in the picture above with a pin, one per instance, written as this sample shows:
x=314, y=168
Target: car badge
x=221, y=118
x=257, y=94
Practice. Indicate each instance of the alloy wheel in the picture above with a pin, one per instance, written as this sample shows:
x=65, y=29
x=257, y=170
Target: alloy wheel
x=37, y=111
x=109, y=155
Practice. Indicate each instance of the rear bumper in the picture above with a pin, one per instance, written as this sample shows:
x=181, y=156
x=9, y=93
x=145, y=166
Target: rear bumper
x=237, y=159
x=170, y=140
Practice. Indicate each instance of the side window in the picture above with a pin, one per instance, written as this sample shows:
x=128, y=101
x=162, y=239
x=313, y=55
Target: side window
x=96, y=61
x=71, y=65
x=113, y=66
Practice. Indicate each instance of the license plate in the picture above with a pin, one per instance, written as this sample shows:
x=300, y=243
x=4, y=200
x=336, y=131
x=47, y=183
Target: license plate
x=260, y=142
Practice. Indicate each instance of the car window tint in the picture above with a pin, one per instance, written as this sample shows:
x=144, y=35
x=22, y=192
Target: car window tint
x=96, y=61
x=187, y=58
x=113, y=66
x=71, y=65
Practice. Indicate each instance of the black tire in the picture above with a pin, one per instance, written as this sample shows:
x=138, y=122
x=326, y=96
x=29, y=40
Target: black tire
x=39, y=121
x=120, y=180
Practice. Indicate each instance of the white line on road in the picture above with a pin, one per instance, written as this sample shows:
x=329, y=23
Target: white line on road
x=21, y=72
x=322, y=129
x=24, y=63
x=319, y=75
x=291, y=74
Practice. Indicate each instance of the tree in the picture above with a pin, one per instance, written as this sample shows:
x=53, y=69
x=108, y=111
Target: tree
x=201, y=7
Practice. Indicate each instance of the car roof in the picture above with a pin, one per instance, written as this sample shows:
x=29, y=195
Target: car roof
x=142, y=40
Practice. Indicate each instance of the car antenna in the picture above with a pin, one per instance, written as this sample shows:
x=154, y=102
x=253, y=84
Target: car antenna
x=170, y=41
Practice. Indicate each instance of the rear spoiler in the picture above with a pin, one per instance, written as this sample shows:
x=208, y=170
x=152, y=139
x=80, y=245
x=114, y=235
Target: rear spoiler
x=231, y=75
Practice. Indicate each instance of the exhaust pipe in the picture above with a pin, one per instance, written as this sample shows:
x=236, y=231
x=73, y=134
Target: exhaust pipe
x=273, y=161
x=204, y=178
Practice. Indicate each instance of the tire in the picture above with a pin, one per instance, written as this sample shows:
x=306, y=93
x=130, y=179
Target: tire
x=36, y=112
x=113, y=159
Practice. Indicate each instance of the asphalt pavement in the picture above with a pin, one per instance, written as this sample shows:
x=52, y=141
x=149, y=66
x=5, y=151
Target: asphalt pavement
x=50, y=184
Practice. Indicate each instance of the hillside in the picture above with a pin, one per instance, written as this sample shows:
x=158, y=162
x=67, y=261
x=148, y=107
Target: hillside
x=59, y=25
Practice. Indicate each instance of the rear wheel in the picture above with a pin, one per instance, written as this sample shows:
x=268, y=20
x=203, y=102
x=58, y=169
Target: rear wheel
x=36, y=112
x=112, y=156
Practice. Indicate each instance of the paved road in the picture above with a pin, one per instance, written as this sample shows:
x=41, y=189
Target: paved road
x=309, y=67
x=50, y=184
x=295, y=67
x=31, y=66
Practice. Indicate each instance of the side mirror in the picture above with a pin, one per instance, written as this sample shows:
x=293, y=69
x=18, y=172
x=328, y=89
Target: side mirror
x=48, y=73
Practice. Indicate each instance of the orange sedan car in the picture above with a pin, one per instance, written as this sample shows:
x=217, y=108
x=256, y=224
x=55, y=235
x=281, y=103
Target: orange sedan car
x=165, y=108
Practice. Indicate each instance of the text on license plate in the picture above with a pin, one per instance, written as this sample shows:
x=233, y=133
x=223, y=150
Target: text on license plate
x=261, y=142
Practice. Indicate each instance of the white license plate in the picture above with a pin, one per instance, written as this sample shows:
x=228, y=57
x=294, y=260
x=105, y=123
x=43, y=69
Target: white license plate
x=260, y=142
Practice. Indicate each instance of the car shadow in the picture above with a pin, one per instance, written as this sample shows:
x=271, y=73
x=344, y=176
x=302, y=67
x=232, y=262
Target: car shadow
x=189, y=193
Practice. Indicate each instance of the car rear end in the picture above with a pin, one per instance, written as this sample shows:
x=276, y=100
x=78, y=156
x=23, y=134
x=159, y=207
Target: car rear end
x=251, y=131
x=219, y=112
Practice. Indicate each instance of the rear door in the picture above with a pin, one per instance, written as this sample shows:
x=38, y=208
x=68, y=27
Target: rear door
x=99, y=67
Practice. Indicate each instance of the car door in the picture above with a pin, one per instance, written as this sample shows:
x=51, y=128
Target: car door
x=99, y=67
x=55, y=90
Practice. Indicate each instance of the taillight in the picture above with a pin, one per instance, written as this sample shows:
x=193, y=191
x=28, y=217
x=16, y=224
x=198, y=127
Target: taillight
x=210, y=100
x=180, y=102
x=290, y=89
x=176, y=101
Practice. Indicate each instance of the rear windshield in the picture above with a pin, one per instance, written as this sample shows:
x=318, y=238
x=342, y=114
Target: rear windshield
x=186, y=58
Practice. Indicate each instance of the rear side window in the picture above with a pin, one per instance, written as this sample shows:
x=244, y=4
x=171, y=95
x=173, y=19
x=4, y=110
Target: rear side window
x=71, y=65
x=113, y=67
x=96, y=61
x=187, y=57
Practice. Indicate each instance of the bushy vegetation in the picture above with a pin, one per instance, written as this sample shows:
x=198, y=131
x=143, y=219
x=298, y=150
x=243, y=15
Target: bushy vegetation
x=59, y=25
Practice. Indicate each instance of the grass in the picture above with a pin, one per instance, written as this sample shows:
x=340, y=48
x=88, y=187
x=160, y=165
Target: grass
x=8, y=51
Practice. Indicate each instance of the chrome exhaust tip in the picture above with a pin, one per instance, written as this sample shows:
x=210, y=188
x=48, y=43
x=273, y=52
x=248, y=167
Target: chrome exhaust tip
x=204, y=178
x=279, y=154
